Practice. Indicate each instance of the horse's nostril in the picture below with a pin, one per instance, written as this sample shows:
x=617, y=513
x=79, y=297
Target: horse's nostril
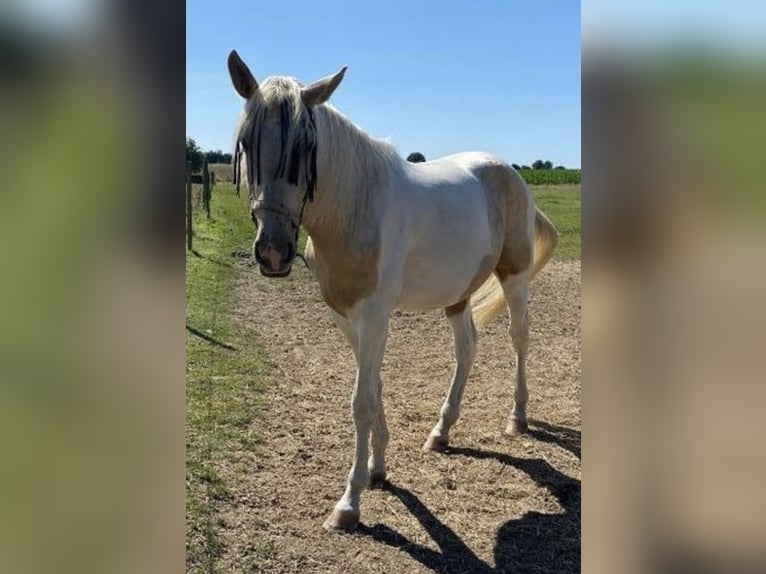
x=257, y=253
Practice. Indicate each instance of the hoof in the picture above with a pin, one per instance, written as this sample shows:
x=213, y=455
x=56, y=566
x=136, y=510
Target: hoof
x=436, y=444
x=342, y=521
x=377, y=479
x=516, y=426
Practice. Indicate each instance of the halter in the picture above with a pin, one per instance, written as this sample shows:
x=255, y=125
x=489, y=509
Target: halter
x=281, y=210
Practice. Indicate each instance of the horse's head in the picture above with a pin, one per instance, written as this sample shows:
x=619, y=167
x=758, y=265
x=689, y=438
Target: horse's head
x=275, y=149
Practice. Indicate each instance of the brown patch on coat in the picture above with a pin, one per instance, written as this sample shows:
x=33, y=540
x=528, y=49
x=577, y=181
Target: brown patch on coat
x=494, y=177
x=506, y=192
x=345, y=274
x=456, y=309
x=515, y=258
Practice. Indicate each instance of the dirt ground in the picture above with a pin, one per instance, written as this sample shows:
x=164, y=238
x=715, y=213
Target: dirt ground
x=492, y=503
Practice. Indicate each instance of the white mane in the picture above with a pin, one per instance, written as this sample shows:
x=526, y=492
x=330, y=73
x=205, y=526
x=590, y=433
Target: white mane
x=352, y=168
x=351, y=165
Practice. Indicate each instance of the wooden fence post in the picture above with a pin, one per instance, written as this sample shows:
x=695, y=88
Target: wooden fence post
x=206, y=188
x=188, y=206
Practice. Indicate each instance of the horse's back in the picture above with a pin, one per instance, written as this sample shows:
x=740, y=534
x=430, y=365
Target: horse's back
x=453, y=165
x=456, y=212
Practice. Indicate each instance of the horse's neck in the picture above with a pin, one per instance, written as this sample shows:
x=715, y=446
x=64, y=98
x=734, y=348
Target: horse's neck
x=353, y=171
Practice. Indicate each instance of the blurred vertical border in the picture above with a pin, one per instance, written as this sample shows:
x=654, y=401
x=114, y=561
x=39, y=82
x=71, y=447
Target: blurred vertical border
x=92, y=286
x=674, y=142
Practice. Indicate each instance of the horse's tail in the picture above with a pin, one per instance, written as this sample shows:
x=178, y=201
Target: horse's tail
x=489, y=300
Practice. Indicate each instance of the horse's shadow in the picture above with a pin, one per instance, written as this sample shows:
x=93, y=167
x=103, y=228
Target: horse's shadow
x=565, y=437
x=535, y=543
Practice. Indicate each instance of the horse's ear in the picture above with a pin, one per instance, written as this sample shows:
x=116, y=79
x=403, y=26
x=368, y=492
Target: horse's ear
x=241, y=76
x=320, y=91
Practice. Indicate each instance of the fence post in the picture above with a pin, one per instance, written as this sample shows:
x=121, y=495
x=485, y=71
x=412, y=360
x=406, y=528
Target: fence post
x=206, y=188
x=188, y=207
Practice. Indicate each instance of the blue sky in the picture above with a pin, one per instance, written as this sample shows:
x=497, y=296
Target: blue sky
x=737, y=24
x=434, y=77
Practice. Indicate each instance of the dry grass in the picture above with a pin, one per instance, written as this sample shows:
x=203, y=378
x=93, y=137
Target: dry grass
x=222, y=171
x=492, y=504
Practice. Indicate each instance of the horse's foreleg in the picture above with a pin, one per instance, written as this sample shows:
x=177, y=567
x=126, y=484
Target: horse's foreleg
x=371, y=330
x=377, y=462
x=465, y=350
x=376, y=465
x=516, y=292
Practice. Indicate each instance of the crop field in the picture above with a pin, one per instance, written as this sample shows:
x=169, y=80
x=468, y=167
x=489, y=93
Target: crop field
x=551, y=176
x=270, y=433
x=223, y=172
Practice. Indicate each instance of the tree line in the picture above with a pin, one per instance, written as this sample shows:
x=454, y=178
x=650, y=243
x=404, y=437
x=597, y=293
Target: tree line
x=417, y=157
x=196, y=156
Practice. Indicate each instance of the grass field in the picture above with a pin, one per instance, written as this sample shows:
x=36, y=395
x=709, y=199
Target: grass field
x=224, y=367
x=227, y=368
x=561, y=203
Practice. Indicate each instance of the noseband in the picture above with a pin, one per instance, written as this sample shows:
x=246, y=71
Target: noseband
x=281, y=210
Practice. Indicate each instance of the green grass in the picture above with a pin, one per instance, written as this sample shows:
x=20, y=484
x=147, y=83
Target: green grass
x=224, y=371
x=561, y=203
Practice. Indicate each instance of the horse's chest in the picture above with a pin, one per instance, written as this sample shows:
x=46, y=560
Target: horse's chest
x=346, y=277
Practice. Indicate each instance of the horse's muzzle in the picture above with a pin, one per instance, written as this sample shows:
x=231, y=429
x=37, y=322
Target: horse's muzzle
x=268, y=273
x=271, y=261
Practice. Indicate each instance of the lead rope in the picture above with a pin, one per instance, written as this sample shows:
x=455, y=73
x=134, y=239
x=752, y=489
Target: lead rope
x=311, y=178
x=309, y=195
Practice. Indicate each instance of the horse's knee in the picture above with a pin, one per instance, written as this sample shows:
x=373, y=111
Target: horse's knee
x=365, y=410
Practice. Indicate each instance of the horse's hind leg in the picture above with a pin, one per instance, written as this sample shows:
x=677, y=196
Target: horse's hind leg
x=516, y=289
x=377, y=461
x=465, y=349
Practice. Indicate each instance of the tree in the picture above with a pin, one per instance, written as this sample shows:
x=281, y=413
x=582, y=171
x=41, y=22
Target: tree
x=525, y=167
x=540, y=164
x=416, y=157
x=217, y=156
x=194, y=155
x=559, y=167
x=515, y=166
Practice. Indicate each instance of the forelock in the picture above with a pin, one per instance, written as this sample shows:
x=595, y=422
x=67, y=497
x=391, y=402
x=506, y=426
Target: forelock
x=282, y=95
x=277, y=91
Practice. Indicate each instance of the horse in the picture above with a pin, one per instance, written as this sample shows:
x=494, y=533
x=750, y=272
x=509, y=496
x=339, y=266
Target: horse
x=460, y=233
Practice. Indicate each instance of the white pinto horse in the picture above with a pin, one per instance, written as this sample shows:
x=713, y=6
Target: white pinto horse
x=460, y=233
